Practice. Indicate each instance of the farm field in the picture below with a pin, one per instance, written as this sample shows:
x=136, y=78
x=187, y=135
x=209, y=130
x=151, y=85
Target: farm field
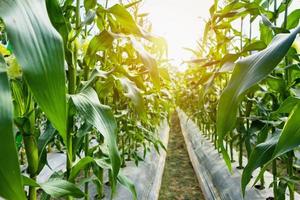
x=149, y=99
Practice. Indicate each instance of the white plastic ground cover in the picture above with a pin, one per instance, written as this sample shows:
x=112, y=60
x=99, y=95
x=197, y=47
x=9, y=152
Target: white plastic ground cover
x=214, y=178
x=146, y=177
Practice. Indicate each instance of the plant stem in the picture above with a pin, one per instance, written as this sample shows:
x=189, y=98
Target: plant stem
x=275, y=12
x=240, y=151
x=290, y=173
x=31, y=147
x=274, y=172
x=72, y=64
x=86, y=143
x=262, y=180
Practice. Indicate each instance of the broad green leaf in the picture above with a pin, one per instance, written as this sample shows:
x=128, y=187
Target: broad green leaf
x=248, y=72
x=29, y=182
x=101, y=117
x=124, y=18
x=255, y=46
x=128, y=184
x=43, y=141
x=90, y=4
x=132, y=92
x=11, y=182
x=276, y=84
x=84, y=162
x=293, y=19
x=287, y=105
x=148, y=60
x=39, y=50
x=80, y=165
x=58, y=20
x=57, y=188
x=260, y=155
x=290, y=135
x=99, y=42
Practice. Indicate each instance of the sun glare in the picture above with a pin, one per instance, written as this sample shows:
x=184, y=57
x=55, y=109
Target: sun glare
x=179, y=22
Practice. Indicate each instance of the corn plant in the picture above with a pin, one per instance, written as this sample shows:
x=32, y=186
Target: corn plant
x=247, y=95
x=76, y=73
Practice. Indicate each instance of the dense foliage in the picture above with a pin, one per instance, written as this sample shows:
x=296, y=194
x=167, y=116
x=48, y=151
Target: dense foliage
x=82, y=78
x=243, y=88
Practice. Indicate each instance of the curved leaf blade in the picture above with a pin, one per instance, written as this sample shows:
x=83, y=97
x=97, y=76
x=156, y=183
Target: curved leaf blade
x=290, y=135
x=133, y=92
x=59, y=188
x=102, y=118
x=39, y=50
x=248, y=72
x=260, y=155
x=10, y=176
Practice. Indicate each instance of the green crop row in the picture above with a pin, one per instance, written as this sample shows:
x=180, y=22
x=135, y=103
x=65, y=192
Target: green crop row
x=83, y=78
x=243, y=88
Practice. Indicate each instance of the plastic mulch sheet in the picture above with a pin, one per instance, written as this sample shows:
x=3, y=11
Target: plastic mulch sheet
x=146, y=177
x=215, y=180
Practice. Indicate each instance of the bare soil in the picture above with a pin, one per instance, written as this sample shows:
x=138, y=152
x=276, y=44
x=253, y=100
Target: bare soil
x=179, y=179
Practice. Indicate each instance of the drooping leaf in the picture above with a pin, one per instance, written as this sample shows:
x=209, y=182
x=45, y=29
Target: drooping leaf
x=293, y=19
x=133, y=92
x=255, y=46
x=124, y=18
x=10, y=176
x=80, y=165
x=290, y=135
x=99, y=42
x=29, y=182
x=287, y=105
x=248, y=72
x=260, y=155
x=148, y=60
x=39, y=50
x=102, y=118
x=58, y=20
x=128, y=184
x=60, y=188
x=43, y=141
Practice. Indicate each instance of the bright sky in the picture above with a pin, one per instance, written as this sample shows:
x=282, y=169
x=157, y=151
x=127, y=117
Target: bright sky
x=180, y=22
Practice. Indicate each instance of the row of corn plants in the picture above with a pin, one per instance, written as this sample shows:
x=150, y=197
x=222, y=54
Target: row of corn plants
x=80, y=77
x=243, y=89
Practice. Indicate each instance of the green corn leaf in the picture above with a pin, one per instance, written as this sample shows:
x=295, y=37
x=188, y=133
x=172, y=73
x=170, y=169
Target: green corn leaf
x=43, y=141
x=293, y=19
x=132, y=92
x=90, y=4
x=287, y=105
x=248, y=72
x=290, y=135
x=29, y=182
x=127, y=184
x=255, y=46
x=11, y=182
x=80, y=165
x=60, y=188
x=125, y=19
x=260, y=155
x=148, y=60
x=101, y=117
x=39, y=50
x=99, y=42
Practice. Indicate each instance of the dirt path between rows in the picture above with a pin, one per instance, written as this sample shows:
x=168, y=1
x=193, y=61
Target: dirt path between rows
x=179, y=179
